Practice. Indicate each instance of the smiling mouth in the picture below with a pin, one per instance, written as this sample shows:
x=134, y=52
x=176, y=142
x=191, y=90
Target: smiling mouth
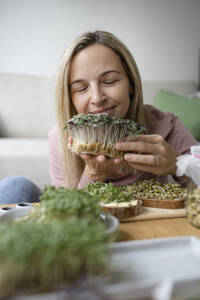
x=109, y=111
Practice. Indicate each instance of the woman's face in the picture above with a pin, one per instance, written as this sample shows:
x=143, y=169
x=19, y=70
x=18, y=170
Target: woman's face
x=98, y=82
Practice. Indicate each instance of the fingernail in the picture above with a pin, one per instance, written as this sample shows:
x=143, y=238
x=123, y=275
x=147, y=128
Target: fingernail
x=118, y=146
x=117, y=160
x=127, y=156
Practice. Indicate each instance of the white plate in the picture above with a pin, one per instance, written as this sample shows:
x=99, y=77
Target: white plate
x=154, y=267
x=111, y=221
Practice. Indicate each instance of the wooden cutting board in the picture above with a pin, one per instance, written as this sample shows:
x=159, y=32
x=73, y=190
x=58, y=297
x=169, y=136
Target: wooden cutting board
x=150, y=213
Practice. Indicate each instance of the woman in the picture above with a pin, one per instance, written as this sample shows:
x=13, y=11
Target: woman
x=99, y=75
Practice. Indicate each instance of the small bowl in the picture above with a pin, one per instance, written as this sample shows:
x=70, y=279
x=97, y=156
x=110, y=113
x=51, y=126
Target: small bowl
x=112, y=224
x=15, y=214
x=23, y=204
x=192, y=205
x=5, y=209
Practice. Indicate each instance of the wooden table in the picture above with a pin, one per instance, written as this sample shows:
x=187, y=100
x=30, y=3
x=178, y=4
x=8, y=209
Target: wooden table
x=148, y=229
x=140, y=230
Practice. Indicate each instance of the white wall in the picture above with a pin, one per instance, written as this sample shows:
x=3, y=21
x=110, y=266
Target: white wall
x=163, y=35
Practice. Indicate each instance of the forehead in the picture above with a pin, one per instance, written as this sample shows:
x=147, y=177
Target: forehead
x=96, y=58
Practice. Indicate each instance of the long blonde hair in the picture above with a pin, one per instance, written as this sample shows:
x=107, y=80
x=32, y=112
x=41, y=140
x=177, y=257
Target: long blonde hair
x=72, y=165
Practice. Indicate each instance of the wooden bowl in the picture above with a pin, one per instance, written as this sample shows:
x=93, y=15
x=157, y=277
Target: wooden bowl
x=163, y=203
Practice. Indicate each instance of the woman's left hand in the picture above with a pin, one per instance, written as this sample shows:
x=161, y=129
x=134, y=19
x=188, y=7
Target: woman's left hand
x=150, y=153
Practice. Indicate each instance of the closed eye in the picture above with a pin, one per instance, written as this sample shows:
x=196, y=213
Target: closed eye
x=79, y=90
x=109, y=81
x=82, y=89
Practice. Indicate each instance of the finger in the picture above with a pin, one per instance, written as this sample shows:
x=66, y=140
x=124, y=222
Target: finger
x=149, y=138
x=141, y=147
x=117, y=161
x=70, y=143
x=145, y=168
x=148, y=160
x=101, y=158
x=70, y=140
x=86, y=156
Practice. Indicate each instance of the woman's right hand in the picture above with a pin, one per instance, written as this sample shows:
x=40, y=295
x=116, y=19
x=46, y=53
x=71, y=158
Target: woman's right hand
x=98, y=167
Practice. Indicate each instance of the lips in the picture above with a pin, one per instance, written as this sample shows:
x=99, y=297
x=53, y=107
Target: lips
x=109, y=111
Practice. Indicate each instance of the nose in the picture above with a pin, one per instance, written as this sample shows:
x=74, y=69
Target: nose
x=97, y=95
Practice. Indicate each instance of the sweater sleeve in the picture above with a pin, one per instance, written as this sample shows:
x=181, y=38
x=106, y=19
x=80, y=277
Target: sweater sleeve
x=181, y=139
x=55, y=170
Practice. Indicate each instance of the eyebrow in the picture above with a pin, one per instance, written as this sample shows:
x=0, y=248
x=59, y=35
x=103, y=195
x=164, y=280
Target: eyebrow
x=103, y=74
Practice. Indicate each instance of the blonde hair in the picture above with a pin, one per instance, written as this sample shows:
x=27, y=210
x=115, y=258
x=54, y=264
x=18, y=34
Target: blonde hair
x=72, y=165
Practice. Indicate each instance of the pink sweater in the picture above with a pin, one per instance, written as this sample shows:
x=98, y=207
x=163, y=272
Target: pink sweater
x=165, y=124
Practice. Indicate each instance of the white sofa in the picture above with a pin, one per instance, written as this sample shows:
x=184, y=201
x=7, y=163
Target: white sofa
x=27, y=112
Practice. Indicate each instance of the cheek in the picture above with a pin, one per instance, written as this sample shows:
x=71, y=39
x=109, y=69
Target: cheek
x=79, y=104
x=123, y=100
x=123, y=109
x=122, y=93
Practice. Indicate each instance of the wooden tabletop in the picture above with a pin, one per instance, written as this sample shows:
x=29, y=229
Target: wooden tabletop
x=148, y=229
